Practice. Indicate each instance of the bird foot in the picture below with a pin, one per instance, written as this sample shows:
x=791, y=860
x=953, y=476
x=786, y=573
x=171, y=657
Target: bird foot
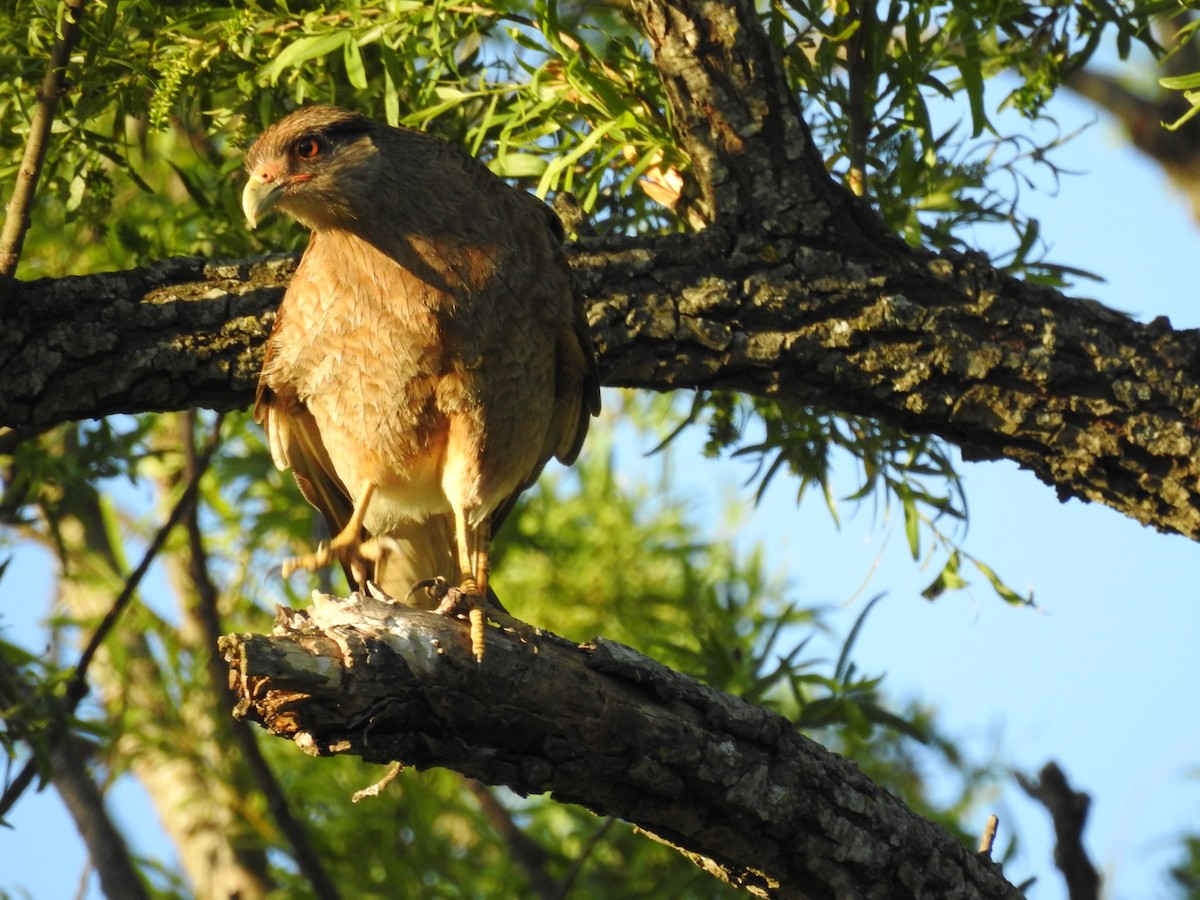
x=352, y=552
x=479, y=609
x=466, y=600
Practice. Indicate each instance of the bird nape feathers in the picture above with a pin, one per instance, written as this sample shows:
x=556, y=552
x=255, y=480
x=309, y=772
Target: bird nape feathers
x=429, y=357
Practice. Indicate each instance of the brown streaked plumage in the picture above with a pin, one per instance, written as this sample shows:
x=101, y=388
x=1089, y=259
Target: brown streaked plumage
x=430, y=355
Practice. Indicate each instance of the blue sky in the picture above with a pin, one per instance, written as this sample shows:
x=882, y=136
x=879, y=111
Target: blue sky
x=1099, y=681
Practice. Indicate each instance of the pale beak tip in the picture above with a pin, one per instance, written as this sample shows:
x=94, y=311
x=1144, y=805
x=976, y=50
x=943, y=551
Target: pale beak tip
x=258, y=197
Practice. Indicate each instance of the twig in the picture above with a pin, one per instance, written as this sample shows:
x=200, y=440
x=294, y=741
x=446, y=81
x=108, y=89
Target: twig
x=858, y=66
x=16, y=221
x=208, y=616
x=988, y=838
x=379, y=786
x=76, y=688
x=1068, y=810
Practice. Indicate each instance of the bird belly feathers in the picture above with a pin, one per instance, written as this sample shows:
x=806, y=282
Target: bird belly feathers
x=412, y=413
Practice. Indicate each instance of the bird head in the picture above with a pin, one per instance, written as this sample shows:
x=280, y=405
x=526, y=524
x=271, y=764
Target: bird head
x=300, y=166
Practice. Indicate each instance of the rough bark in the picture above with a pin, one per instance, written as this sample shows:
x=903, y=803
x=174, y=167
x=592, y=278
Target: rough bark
x=1101, y=407
x=732, y=786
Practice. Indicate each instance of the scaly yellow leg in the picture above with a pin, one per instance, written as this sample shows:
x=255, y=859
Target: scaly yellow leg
x=473, y=566
x=474, y=552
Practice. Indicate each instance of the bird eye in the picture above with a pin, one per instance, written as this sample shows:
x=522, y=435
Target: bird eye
x=308, y=148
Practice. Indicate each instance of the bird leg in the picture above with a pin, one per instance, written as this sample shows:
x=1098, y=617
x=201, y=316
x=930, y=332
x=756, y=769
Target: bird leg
x=473, y=565
x=472, y=596
x=346, y=547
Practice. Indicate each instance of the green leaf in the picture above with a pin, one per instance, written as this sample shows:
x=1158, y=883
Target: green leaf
x=1186, y=117
x=972, y=77
x=948, y=579
x=518, y=165
x=356, y=72
x=1181, y=82
x=300, y=51
x=1003, y=590
x=912, y=518
x=844, y=667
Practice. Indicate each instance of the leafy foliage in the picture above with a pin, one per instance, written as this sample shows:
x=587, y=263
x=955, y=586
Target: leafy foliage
x=902, y=96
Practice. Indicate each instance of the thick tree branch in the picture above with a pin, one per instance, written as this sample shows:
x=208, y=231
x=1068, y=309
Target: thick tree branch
x=732, y=786
x=1102, y=407
x=176, y=334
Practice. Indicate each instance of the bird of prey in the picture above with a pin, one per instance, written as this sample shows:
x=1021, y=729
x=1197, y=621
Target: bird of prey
x=430, y=354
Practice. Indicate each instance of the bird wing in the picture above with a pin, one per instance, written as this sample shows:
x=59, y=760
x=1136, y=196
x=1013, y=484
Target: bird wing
x=295, y=443
x=576, y=364
x=577, y=380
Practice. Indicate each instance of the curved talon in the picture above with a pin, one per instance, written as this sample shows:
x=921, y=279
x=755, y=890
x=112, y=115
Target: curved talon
x=434, y=588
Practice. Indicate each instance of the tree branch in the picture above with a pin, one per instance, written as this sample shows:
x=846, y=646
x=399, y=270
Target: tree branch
x=207, y=614
x=1142, y=114
x=1101, y=407
x=1068, y=810
x=109, y=852
x=730, y=785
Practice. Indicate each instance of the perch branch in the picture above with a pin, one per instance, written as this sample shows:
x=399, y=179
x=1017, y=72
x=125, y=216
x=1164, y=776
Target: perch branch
x=732, y=786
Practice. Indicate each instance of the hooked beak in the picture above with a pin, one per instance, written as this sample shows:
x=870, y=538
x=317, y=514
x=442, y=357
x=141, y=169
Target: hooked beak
x=260, y=196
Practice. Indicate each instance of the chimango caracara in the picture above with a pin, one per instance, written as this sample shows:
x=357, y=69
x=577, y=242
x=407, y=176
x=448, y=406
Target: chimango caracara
x=430, y=355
